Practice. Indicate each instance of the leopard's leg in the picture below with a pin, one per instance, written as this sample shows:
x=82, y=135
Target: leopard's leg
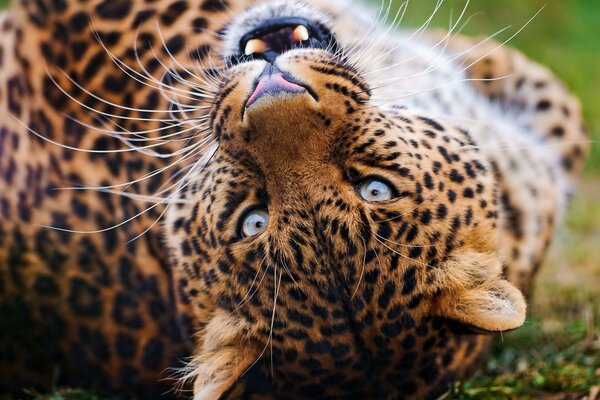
x=533, y=179
x=226, y=361
x=548, y=108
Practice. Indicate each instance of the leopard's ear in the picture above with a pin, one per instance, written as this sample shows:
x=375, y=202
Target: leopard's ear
x=473, y=293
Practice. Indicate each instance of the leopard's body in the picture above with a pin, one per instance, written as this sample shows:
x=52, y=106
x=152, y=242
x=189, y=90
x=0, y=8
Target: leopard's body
x=338, y=298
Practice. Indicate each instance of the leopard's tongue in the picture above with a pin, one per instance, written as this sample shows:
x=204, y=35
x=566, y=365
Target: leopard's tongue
x=271, y=85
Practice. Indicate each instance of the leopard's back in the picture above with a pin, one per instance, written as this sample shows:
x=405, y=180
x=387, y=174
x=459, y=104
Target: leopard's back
x=99, y=307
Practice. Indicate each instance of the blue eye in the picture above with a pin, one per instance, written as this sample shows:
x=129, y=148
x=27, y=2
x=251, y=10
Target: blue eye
x=375, y=190
x=254, y=223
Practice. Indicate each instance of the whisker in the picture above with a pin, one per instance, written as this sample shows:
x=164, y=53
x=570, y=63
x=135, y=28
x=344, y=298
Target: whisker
x=251, y=291
x=362, y=271
x=132, y=73
x=403, y=255
x=462, y=71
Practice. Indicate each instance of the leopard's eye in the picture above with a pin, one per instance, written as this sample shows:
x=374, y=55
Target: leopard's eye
x=375, y=190
x=254, y=222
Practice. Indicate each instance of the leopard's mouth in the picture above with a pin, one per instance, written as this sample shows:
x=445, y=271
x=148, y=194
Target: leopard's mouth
x=275, y=36
x=273, y=82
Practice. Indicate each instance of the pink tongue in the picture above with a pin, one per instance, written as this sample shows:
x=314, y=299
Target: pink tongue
x=273, y=83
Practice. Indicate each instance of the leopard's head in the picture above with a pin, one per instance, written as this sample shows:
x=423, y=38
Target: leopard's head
x=332, y=248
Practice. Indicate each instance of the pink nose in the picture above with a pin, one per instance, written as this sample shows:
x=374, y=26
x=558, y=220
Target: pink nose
x=272, y=85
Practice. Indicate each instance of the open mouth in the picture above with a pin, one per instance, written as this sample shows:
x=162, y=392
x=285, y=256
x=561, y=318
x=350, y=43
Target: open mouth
x=275, y=36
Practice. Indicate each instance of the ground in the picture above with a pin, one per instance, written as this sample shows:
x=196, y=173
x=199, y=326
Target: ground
x=556, y=355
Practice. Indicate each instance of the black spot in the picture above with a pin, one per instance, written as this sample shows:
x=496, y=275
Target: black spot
x=173, y=12
x=412, y=233
x=391, y=330
x=543, y=105
x=175, y=44
x=410, y=281
x=320, y=347
x=16, y=90
x=291, y=355
x=452, y=196
x=126, y=345
x=435, y=125
x=558, y=131
x=153, y=353
x=45, y=285
x=428, y=181
x=199, y=24
x=340, y=350
x=80, y=208
x=215, y=5
x=428, y=370
x=302, y=318
x=409, y=342
x=468, y=193
x=425, y=217
x=386, y=295
x=113, y=9
x=142, y=17
x=567, y=163
x=109, y=38
x=415, y=252
x=96, y=341
x=442, y=211
x=79, y=21
x=94, y=65
x=455, y=176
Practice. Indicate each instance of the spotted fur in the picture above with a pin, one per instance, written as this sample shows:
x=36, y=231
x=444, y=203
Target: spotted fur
x=338, y=298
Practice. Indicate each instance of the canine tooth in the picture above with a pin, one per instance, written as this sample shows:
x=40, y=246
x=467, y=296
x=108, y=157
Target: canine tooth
x=255, y=46
x=300, y=34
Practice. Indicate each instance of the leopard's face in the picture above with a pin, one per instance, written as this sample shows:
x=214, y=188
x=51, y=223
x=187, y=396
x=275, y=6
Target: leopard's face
x=331, y=247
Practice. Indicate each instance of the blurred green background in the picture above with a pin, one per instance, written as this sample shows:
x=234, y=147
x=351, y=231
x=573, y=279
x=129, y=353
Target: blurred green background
x=556, y=355
x=564, y=36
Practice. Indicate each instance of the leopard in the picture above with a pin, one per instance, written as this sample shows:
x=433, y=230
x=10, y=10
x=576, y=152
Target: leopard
x=226, y=199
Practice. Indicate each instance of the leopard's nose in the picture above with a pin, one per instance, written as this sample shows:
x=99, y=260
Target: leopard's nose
x=273, y=82
x=275, y=36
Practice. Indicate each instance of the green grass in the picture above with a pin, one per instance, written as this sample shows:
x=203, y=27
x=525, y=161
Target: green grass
x=68, y=394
